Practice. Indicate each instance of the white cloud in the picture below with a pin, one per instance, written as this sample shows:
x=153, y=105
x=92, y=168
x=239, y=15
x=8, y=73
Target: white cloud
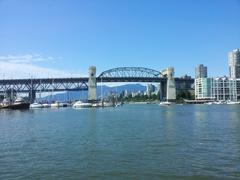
x=24, y=66
x=14, y=70
x=27, y=58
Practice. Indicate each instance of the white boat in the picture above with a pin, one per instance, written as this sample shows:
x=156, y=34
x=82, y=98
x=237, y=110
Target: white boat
x=233, y=102
x=80, y=104
x=108, y=104
x=36, y=105
x=19, y=103
x=165, y=103
x=99, y=104
x=55, y=105
x=6, y=102
x=46, y=105
x=218, y=102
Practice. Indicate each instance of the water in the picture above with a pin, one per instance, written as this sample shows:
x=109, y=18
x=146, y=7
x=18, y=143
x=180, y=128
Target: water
x=129, y=142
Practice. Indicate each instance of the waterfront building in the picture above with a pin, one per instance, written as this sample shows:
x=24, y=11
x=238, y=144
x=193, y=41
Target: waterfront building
x=203, y=88
x=201, y=71
x=234, y=67
x=234, y=63
x=224, y=89
x=219, y=89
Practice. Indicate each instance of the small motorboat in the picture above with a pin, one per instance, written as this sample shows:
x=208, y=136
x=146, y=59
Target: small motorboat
x=36, y=105
x=80, y=104
x=55, y=105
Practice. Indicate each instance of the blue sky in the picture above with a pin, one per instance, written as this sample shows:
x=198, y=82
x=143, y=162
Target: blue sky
x=67, y=36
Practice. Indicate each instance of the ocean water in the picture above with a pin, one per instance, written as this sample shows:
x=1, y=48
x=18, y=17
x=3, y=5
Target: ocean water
x=128, y=142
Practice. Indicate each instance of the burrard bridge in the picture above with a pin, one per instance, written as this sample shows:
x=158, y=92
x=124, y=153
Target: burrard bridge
x=168, y=83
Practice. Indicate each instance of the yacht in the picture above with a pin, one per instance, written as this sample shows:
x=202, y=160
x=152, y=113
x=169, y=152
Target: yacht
x=80, y=104
x=36, y=105
x=19, y=103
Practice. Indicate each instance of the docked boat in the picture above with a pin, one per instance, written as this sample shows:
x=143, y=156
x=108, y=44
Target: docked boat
x=165, y=103
x=19, y=103
x=218, y=102
x=99, y=104
x=80, y=104
x=36, y=105
x=46, y=105
x=232, y=102
x=63, y=104
x=108, y=104
x=55, y=105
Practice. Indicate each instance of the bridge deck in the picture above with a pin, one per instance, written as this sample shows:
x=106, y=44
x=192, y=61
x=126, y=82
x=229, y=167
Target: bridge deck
x=72, y=84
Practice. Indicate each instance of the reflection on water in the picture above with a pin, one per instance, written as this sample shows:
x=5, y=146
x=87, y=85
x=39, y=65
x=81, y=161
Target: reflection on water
x=129, y=142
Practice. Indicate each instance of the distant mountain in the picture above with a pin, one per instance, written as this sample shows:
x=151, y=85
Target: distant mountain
x=82, y=95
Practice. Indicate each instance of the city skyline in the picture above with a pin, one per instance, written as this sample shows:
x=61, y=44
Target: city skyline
x=70, y=37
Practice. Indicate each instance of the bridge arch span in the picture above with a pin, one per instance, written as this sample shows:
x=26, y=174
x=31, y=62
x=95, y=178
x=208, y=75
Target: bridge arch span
x=128, y=72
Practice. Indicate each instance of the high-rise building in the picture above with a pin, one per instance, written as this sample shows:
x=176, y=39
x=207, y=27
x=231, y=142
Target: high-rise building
x=234, y=63
x=203, y=88
x=201, y=71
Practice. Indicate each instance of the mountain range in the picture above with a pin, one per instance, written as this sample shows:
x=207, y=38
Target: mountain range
x=82, y=95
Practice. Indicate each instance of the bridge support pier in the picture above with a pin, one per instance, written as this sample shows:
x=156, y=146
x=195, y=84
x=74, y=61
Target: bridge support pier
x=171, y=87
x=92, y=84
x=161, y=91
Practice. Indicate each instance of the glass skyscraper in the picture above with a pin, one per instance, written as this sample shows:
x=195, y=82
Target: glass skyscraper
x=234, y=63
x=201, y=71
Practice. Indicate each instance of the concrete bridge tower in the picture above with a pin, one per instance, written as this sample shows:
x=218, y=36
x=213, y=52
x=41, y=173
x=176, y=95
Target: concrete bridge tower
x=92, y=84
x=171, y=86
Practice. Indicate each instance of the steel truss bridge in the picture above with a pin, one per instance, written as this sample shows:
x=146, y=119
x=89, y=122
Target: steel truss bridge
x=122, y=74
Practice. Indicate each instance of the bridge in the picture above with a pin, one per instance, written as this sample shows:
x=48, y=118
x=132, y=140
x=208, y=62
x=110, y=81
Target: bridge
x=122, y=74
